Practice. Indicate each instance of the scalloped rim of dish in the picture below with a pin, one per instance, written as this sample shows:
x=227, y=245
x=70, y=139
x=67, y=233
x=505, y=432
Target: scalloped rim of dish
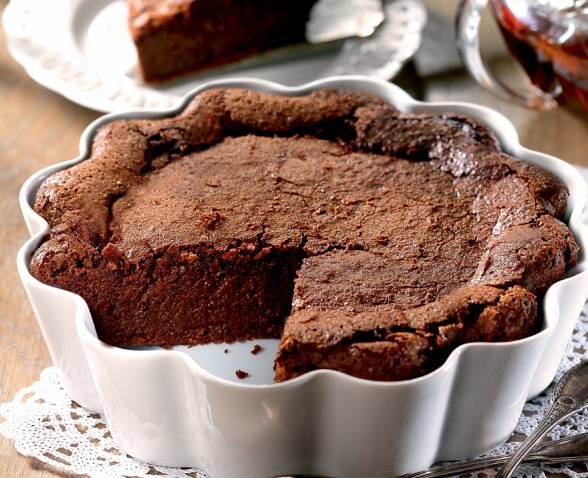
x=400, y=99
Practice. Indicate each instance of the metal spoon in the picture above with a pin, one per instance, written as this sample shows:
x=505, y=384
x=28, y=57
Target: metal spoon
x=569, y=396
x=566, y=450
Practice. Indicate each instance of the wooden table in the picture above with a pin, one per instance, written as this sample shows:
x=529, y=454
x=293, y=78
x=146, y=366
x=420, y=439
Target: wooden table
x=38, y=128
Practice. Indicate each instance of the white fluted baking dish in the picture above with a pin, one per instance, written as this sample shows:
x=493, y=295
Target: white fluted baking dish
x=184, y=407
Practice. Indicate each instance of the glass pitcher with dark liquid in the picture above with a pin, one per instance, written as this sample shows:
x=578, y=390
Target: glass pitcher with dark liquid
x=548, y=37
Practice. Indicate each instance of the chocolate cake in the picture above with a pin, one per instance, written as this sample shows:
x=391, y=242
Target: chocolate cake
x=371, y=241
x=174, y=37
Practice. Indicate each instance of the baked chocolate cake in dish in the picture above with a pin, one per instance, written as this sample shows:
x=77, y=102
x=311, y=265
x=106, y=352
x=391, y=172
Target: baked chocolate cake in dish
x=372, y=241
x=174, y=37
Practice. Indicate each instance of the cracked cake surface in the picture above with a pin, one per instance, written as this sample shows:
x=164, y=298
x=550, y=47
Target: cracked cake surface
x=371, y=241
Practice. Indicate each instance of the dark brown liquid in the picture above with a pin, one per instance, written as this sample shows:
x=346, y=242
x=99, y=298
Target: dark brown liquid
x=549, y=51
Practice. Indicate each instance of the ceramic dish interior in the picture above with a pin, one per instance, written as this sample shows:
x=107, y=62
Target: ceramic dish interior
x=184, y=409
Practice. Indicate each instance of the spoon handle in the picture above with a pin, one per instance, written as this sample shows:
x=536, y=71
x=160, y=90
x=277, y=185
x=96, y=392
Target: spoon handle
x=562, y=407
x=572, y=449
x=457, y=468
x=486, y=463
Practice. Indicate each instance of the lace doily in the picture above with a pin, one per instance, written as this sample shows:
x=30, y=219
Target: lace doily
x=45, y=424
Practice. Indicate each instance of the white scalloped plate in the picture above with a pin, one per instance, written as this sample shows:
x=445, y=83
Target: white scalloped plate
x=187, y=409
x=82, y=50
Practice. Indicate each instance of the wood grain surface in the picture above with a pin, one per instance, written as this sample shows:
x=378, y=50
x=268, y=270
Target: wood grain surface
x=38, y=128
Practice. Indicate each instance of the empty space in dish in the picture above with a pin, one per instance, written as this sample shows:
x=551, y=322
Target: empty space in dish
x=224, y=360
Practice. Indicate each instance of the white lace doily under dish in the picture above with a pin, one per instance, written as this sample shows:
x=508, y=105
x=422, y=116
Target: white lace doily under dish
x=45, y=424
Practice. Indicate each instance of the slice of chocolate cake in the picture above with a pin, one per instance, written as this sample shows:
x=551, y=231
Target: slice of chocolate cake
x=174, y=37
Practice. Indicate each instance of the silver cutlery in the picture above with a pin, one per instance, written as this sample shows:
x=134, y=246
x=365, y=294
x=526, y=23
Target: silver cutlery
x=566, y=450
x=569, y=396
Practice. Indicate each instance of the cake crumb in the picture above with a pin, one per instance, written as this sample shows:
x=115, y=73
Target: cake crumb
x=209, y=220
x=256, y=349
x=226, y=351
x=241, y=374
